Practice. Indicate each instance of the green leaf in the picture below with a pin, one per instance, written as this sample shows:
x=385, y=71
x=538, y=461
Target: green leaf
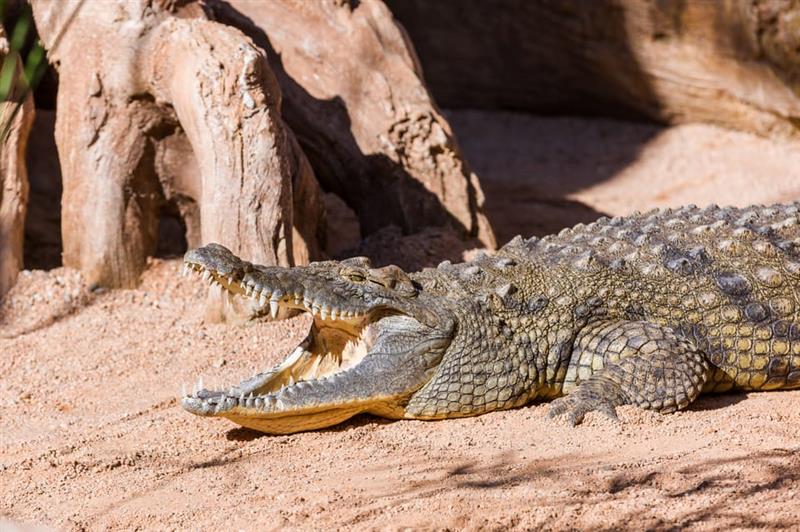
x=20, y=32
x=8, y=76
x=35, y=65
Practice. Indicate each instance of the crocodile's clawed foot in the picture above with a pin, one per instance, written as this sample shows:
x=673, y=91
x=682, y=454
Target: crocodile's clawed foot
x=577, y=405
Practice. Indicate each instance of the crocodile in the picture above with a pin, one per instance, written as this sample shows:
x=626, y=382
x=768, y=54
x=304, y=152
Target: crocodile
x=649, y=310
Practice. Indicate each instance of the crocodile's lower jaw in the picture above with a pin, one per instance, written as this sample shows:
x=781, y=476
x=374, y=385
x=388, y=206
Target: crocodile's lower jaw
x=335, y=343
x=294, y=423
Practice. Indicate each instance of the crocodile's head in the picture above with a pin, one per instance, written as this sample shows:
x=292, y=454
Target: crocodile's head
x=374, y=341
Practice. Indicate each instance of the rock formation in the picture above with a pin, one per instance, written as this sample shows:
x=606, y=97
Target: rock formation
x=734, y=63
x=355, y=97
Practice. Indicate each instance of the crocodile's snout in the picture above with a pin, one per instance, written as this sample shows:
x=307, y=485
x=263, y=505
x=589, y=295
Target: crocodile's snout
x=217, y=259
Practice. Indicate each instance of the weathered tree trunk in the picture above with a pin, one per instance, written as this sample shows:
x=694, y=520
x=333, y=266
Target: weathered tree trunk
x=355, y=98
x=735, y=63
x=16, y=114
x=135, y=81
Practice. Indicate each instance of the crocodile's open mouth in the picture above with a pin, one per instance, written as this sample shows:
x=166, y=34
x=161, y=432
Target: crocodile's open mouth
x=339, y=339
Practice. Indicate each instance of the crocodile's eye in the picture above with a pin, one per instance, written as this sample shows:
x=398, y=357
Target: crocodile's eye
x=356, y=277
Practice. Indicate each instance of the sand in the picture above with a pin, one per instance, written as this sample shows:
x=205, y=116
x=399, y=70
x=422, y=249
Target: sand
x=92, y=436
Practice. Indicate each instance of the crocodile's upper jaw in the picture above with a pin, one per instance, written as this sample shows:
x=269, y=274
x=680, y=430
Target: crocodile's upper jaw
x=334, y=373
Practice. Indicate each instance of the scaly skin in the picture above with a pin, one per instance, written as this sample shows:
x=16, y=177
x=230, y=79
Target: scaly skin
x=649, y=310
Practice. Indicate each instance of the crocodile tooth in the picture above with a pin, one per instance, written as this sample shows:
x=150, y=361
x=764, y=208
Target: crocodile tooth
x=334, y=314
x=297, y=299
x=262, y=299
x=230, y=280
x=323, y=313
x=290, y=381
x=206, y=275
x=241, y=398
x=292, y=358
x=314, y=308
x=307, y=303
x=273, y=303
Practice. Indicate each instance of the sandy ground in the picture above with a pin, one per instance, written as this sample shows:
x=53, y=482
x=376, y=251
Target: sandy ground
x=92, y=437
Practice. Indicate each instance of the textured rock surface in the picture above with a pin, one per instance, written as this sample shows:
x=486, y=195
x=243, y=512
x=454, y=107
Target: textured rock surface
x=168, y=83
x=355, y=97
x=17, y=112
x=733, y=63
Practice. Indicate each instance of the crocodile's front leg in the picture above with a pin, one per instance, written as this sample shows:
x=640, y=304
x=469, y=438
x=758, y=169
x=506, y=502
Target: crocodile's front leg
x=630, y=362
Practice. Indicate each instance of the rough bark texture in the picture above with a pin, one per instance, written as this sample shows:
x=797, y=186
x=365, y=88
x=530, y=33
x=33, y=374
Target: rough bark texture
x=355, y=97
x=137, y=82
x=733, y=62
x=13, y=179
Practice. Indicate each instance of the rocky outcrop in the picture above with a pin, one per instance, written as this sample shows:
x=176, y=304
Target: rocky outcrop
x=734, y=63
x=180, y=112
x=355, y=98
